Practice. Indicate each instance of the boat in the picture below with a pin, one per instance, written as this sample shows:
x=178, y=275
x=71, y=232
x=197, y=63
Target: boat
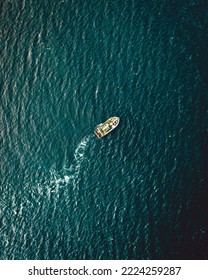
x=104, y=128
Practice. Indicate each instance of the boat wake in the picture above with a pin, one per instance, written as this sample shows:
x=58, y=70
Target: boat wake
x=71, y=175
x=79, y=155
x=82, y=147
x=45, y=192
x=52, y=184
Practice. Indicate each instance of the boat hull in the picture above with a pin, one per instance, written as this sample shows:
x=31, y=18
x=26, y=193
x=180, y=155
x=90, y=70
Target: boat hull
x=104, y=128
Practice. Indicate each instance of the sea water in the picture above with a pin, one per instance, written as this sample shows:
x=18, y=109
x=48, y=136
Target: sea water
x=141, y=191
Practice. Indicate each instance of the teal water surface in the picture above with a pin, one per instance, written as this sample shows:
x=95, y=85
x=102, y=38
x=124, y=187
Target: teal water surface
x=140, y=192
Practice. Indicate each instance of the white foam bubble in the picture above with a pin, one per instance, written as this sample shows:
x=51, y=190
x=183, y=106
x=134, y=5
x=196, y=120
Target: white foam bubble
x=66, y=178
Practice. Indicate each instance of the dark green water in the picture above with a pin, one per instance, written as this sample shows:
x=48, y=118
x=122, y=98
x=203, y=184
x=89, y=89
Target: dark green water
x=139, y=193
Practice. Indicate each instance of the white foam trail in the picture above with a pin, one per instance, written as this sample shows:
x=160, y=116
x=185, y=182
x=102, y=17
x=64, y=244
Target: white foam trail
x=71, y=173
x=66, y=178
x=81, y=148
x=69, y=176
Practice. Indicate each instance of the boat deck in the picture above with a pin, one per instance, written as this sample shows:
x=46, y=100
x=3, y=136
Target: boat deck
x=106, y=127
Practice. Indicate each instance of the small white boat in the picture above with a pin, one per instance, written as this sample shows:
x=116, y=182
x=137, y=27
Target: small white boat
x=106, y=127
